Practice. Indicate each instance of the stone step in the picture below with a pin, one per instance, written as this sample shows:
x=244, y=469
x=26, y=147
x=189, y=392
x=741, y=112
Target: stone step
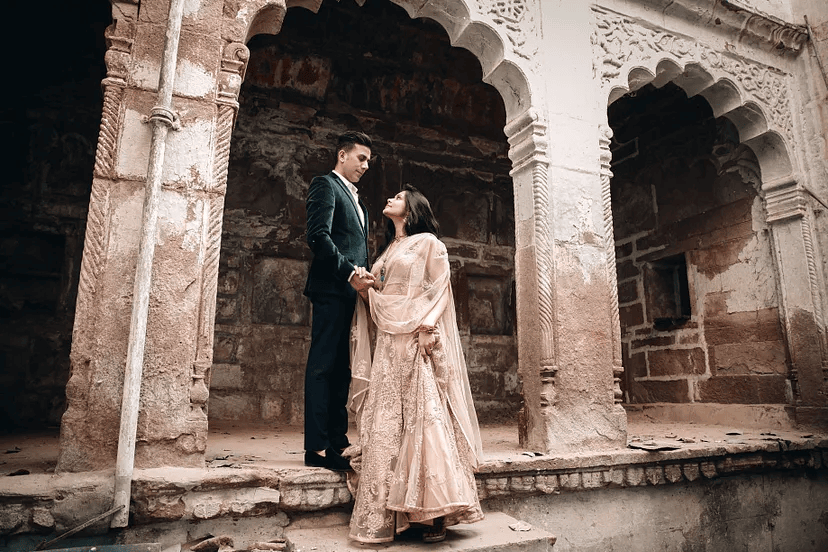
x=490, y=535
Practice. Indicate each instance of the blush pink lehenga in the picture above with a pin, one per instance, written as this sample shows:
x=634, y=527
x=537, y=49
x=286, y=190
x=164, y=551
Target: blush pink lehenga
x=418, y=439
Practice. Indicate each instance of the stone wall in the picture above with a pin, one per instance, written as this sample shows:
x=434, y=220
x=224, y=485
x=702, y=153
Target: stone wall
x=697, y=285
x=49, y=134
x=435, y=125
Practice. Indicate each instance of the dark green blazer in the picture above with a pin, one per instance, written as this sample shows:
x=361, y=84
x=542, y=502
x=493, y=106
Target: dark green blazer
x=335, y=235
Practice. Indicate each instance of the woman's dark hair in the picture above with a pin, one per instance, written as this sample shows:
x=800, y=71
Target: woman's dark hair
x=419, y=217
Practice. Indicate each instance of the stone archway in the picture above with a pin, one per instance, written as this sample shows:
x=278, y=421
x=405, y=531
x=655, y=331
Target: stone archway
x=756, y=99
x=500, y=54
x=434, y=124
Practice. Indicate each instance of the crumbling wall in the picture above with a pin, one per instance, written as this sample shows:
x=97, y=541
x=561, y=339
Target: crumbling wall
x=435, y=125
x=696, y=278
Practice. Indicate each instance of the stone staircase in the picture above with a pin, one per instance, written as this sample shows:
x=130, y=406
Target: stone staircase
x=493, y=534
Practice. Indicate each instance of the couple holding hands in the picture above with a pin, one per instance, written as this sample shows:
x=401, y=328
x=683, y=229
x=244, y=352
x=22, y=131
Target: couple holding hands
x=387, y=337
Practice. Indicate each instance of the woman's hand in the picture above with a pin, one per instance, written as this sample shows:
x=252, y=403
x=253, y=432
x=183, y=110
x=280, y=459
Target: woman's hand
x=427, y=339
x=364, y=274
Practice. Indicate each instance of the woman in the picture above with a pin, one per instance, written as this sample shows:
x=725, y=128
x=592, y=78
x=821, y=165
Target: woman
x=418, y=438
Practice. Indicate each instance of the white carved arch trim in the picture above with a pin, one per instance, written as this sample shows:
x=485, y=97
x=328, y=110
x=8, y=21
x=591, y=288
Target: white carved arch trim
x=755, y=97
x=479, y=37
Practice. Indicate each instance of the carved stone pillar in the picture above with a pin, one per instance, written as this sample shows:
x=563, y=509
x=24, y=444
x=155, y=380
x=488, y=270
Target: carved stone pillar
x=802, y=295
x=566, y=340
x=76, y=443
x=534, y=276
x=172, y=421
x=612, y=276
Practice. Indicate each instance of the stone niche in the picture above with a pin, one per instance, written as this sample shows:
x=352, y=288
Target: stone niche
x=435, y=124
x=696, y=282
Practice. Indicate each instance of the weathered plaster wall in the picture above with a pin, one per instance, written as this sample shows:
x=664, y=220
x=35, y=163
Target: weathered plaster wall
x=684, y=186
x=435, y=125
x=777, y=512
x=49, y=133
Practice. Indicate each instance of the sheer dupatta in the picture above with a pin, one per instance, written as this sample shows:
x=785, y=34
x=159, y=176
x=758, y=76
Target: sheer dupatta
x=400, y=308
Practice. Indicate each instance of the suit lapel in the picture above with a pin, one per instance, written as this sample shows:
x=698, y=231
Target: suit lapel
x=361, y=206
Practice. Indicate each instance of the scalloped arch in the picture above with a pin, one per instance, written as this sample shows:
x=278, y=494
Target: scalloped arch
x=485, y=42
x=727, y=98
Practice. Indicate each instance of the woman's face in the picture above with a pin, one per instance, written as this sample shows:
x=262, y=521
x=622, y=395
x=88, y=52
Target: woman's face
x=395, y=207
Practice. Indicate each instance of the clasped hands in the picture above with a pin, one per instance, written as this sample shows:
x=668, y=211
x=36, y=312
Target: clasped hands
x=362, y=280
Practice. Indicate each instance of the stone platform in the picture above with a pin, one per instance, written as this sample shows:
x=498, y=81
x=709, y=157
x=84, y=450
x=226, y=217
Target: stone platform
x=255, y=487
x=493, y=534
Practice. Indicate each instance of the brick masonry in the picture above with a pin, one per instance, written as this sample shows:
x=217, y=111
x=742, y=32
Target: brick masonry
x=689, y=192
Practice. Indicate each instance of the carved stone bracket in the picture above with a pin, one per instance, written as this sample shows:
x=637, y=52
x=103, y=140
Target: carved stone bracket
x=529, y=143
x=233, y=66
x=612, y=277
x=119, y=39
x=784, y=199
x=623, y=45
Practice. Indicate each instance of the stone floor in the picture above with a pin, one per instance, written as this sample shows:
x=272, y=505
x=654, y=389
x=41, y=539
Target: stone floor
x=245, y=444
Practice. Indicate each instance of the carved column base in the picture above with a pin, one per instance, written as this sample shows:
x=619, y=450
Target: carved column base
x=585, y=428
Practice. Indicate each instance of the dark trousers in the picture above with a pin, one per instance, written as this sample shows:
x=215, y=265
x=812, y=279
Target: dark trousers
x=328, y=373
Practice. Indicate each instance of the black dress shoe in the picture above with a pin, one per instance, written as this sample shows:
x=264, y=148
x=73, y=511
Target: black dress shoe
x=331, y=461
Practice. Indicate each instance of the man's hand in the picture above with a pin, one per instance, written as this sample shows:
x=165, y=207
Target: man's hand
x=362, y=279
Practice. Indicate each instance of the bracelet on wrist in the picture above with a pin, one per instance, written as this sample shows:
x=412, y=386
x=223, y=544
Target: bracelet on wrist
x=426, y=329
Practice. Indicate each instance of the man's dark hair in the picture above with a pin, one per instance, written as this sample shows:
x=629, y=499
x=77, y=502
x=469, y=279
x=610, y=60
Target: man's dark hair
x=419, y=217
x=348, y=140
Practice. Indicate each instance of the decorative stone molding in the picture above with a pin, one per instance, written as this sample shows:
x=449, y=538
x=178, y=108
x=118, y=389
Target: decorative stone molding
x=605, y=135
x=518, y=19
x=623, y=45
x=94, y=241
x=119, y=38
x=113, y=95
x=221, y=149
x=784, y=200
x=233, y=66
x=528, y=141
x=199, y=390
x=662, y=471
x=776, y=35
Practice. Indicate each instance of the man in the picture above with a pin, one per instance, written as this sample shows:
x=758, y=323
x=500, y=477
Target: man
x=338, y=237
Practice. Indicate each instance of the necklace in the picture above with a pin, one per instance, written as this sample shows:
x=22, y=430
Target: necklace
x=387, y=249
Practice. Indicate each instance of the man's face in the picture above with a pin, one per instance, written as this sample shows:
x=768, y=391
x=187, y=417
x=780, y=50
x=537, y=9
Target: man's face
x=352, y=164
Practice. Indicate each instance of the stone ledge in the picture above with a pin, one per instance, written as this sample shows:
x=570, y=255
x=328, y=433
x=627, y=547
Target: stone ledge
x=47, y=503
